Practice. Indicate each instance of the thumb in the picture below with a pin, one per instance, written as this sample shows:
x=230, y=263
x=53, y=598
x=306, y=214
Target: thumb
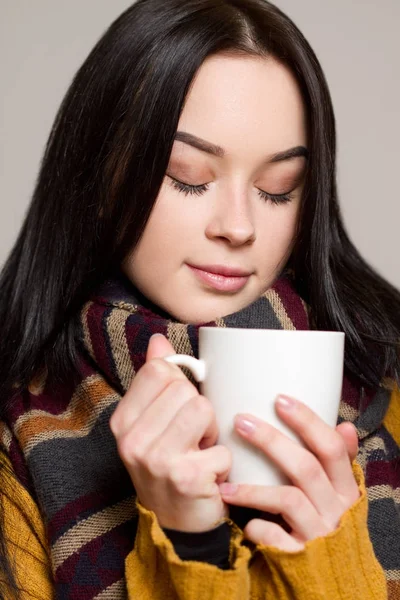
x=159, y=347
x=349, y=435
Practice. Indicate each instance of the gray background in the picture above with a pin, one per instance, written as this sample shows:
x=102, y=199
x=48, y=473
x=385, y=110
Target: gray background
x=43, y=43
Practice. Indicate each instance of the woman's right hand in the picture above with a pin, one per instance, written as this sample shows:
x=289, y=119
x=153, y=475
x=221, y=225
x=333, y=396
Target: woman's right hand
x=165, y=432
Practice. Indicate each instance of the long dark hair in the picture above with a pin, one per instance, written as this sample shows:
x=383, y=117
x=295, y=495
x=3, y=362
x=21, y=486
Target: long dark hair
x=105, y=161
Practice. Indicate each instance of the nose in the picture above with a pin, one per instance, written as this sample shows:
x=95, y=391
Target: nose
x=232, y=220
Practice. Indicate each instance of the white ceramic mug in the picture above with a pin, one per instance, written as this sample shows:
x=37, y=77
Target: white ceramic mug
x=244, y=370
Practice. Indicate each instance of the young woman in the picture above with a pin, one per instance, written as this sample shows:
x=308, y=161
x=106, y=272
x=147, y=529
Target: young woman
x=190, y=178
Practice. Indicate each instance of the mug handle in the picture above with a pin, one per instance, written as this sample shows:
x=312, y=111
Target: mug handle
x=196, y=366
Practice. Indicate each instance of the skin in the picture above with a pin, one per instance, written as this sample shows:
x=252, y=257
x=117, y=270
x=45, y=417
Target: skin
x=165, y=430
x=231, y=101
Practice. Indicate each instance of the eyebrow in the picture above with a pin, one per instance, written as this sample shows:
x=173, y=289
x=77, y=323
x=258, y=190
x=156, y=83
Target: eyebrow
x=209, y=148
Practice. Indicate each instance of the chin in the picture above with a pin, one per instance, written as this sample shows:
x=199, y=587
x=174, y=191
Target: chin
x=193, y=316
x=212, y=312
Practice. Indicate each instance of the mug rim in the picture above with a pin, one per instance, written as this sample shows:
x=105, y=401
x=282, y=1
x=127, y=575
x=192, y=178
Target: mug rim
x=316, y=332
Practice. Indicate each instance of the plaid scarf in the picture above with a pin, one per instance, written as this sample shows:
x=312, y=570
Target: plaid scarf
x=63, y=452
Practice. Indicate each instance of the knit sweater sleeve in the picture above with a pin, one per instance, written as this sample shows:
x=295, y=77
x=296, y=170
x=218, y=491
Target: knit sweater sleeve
x=25, y=537
x=154, y=570
x=339, y=566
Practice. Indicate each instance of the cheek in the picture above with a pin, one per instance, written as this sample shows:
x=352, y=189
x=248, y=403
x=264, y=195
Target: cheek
x=178, y=220
x=289, y=227
x=172, y=224
x=281, y=227
x=162, y=228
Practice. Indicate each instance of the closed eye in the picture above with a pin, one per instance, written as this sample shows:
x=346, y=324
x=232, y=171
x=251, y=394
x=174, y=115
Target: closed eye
x=276, y=198
x=187, y=189
x=199, y=190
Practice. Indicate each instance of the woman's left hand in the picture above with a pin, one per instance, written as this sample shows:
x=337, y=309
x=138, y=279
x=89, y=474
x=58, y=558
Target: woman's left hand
x=323, y=487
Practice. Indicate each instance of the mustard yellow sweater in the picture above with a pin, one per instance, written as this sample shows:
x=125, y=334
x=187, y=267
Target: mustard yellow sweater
x=340, y=566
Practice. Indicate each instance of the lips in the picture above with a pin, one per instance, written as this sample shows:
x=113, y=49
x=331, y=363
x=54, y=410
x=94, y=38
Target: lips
x=224, y=279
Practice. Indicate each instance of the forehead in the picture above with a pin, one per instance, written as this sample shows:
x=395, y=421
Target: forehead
x=243, y=101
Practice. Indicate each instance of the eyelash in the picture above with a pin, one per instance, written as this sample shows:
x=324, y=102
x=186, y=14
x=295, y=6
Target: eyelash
x=199, y=190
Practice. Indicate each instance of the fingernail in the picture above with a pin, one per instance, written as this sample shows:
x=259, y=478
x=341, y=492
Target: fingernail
x=286, y=402
x=245, y=424
x=228, y=489
x=156, y=335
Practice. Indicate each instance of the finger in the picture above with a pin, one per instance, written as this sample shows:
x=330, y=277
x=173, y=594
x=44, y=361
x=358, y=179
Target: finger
x=300, y=465
x=202, y=471
x=155, y=419
x=286, y=500
x=147, y=384
x=350, y=438
x=271, y=534
x=159, y=347
x=323, y=441
x=193, y=422
x=151, y=380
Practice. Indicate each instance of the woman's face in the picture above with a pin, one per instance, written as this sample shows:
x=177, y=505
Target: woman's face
x=228, y=205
